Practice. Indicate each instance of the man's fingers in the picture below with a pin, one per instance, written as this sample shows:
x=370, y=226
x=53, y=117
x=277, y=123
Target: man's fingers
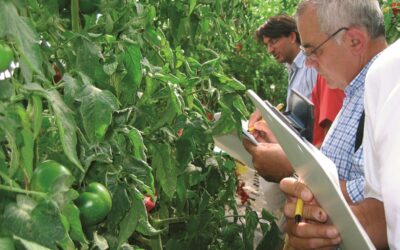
x=254, y=117
x=309, y=212
x=314, y=243
x=293, y=187
x=248, y=145
x=311, y=230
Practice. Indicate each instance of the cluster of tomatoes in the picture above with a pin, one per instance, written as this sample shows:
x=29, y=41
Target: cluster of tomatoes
x=94, y=202
x=243, y=195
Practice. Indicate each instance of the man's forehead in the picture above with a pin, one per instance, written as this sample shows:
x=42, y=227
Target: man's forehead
x=308, y=27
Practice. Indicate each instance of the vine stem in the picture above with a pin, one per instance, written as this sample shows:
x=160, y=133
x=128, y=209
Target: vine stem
x=75, y=15
x=160, y=222
x=19, y=190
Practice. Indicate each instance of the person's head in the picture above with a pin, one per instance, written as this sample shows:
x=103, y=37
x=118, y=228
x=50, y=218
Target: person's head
x=339, y=37
x=280, y=35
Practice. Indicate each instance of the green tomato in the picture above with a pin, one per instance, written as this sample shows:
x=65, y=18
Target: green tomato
x=94, y=204
x=46, y=173
x=6, y=57
x=89, y=6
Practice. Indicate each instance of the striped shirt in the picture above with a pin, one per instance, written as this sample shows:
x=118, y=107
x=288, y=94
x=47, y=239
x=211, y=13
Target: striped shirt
x=339, y=143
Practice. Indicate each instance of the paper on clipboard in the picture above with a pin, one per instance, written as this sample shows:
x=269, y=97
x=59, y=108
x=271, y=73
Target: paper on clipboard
x=231, y=144
x=320, y=175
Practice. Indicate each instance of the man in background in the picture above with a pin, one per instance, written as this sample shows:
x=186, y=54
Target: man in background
x=280, y=36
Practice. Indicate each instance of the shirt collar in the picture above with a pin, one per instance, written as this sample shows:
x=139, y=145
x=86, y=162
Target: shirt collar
x=297, y=63
x=359, y=80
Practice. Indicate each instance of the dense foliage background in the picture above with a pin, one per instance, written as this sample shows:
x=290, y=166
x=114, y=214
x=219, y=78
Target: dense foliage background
x=123, y=92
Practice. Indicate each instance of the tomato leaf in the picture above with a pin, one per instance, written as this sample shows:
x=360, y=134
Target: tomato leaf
x=96, y=110
x=166, y=172
x=132, y=61
x=129, y=223
x=25, y=37
x=37, y=222
x=251, y=224
x=137, y=142
x=30, y=244
x=64, y=119
x=72, y=213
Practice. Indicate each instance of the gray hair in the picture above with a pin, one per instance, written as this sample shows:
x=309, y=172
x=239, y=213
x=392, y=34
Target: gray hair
x=335, y=14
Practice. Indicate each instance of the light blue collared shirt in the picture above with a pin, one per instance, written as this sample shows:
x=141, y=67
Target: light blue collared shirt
x=301, y=78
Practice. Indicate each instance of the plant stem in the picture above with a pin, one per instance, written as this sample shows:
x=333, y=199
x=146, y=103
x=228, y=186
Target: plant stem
x=75, y=16
x=19, y=190
x=161, y=222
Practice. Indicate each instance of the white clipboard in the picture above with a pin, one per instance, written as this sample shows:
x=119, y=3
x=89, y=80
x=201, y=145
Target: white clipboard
x=318, y=173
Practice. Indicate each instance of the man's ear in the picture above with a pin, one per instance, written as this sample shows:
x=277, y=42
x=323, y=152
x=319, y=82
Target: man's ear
x=356, y=40
x=292, y=37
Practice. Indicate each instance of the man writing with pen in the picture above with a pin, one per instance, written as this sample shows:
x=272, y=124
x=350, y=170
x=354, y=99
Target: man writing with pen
x=341, y=39
x=343, y=56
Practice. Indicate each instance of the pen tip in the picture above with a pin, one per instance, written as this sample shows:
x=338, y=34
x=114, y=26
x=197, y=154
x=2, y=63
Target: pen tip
x=297, y=218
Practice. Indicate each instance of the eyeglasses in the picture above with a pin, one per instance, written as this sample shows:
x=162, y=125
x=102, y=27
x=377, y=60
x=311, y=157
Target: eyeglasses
x=312, y=54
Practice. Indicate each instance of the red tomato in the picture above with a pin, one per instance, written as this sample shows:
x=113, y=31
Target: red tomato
x=395, y=8
x=149, y=203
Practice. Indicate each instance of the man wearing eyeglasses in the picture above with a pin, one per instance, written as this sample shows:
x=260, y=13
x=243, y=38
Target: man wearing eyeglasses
x=341, y=46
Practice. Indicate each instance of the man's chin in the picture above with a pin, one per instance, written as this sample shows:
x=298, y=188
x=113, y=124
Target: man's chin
x=279, y=59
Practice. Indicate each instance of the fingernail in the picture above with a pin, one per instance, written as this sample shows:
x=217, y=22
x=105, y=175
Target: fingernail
x=305, y=195
x=332, y=233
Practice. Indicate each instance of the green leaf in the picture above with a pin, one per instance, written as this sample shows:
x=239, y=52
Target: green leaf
x=30, y=244
x=71, y=89
x=26, y=40
x=240, y=106
x=27, y=136
x=88, y=56
x=36, y=115
x=7, y=90
x=129, y=223
x=251, y=224
x=192, y=5
x=141, y=170
x=9, y=127
x=137, y=142
x=174, y=107
x=132, y=59
x=225, y=124
x=97, y=107
x=230, y=83
x=40, y=223
x=72, y=213
x=166, y=172
x=64, y=119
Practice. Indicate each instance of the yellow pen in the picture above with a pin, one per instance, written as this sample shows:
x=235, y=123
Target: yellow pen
x=298, y=213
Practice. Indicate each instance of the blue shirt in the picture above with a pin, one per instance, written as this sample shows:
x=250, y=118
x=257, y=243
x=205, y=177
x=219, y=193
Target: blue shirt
x=301, y=78
x=339, y=143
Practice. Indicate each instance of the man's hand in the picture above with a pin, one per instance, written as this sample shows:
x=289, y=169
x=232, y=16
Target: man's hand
x=254, y=117
x=269, y=160
x=262, y=133
x=314, y=231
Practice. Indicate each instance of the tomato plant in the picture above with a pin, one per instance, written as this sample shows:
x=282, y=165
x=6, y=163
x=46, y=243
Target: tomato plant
x=6, y=56
x=123, y=95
